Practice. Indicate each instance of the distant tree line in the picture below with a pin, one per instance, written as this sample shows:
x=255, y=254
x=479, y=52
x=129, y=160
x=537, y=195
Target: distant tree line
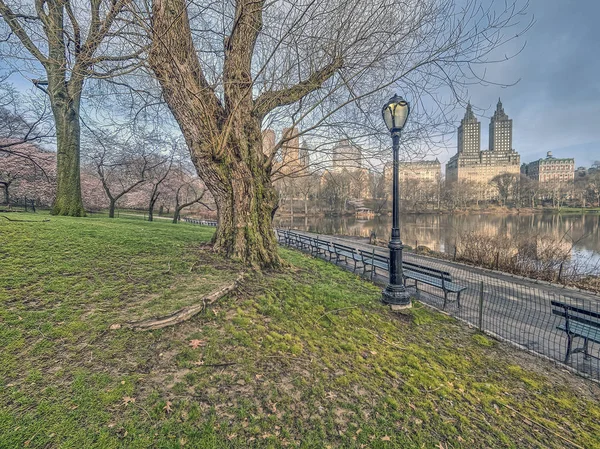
x=338, y=192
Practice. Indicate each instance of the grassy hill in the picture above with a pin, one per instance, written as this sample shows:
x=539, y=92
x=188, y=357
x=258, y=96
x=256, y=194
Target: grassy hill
x=301, y=358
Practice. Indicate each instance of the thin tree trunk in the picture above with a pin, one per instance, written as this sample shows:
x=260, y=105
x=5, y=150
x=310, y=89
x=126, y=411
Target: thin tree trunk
x=153, y=200
x=5, y=186
x=111, y=208
x=305, y=205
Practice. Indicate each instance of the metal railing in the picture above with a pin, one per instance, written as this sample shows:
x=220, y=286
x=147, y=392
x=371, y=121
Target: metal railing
x=512, y=309
x=200, y=222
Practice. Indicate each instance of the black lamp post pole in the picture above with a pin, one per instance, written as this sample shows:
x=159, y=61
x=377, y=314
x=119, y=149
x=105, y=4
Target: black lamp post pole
x=395, y=293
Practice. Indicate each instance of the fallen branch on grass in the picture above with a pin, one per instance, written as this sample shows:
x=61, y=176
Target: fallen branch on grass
x=183, y=314
x=25, y=221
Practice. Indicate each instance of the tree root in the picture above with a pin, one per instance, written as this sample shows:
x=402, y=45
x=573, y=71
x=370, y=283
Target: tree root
x=25, y=221
x=183, y=314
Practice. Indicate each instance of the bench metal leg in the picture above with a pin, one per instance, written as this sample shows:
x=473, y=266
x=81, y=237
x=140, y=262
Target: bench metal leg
x=586, y=356
x=569, y=344
x=445, y=298
x=458, y=299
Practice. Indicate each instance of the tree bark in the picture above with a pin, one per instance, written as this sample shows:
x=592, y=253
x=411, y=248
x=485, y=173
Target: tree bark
x=151, y=211
x=5, y=186
x=153, y=199
x=245, y=200
x=111, y=208
x=68, y=199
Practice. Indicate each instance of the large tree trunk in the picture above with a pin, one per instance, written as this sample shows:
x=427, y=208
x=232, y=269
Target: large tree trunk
x=224, y=134
x=245, y=202
x=68, y=199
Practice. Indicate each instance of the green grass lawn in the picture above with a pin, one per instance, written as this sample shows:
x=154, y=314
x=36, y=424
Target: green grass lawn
x=301, y=358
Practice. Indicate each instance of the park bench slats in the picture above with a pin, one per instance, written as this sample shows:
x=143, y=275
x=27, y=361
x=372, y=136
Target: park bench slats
x=579, y=323
x=418, y=273
x=347, y=252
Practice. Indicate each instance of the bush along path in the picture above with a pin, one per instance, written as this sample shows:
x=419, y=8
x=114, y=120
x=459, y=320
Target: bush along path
x=306, y=357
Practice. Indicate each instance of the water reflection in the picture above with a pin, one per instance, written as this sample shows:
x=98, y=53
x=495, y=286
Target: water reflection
x=440, y=232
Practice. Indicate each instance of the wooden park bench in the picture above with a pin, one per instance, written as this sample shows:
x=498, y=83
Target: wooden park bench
x=347, y=252
x=322, y=247
x=579, y=322
x=416, y=272
x=374, y=260
x=433, y=277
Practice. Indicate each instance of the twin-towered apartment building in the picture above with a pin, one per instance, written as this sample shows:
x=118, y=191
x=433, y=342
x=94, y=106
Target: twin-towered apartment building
x=472, y=164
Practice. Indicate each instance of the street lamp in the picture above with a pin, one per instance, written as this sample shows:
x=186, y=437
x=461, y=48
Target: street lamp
x=395, y=112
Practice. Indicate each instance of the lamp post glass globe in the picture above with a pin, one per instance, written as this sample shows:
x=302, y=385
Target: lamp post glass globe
x=395, y=112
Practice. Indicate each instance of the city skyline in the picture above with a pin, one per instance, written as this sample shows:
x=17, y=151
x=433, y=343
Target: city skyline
x=555, y=101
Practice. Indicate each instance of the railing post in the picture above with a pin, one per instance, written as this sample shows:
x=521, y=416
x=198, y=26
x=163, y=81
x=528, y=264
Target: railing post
x=372, y=263
x=481, y=306
x=560, y=271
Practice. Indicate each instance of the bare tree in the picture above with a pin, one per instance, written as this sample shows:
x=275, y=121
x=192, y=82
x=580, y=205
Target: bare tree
x=67, y=42
x=29, y=170
x=157, y=177
x=121, y=164
x=24, y=119
x=188, y=190
x=327, y=64
x=505, y=184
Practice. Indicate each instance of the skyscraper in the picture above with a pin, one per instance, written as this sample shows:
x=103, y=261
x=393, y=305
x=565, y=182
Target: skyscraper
x=472, y=164
x=268, y=141
x=500, y=130
x=346, y=156
x=291, y=146
x=469, y=133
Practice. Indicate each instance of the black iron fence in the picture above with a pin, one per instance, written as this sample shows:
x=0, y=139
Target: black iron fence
x=199, y=222
x=560, y=324
x=22, y=205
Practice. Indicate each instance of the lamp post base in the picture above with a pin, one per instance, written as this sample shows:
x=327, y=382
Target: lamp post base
x=396, y=295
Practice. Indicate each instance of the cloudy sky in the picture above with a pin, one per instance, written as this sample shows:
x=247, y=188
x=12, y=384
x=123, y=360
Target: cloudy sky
x=555, y=106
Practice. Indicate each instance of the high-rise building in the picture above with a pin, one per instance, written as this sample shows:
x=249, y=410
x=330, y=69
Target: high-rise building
x=472, y=164
x=469, y=133
x=292, y=160
x=500, y=130
x=551, y=169
x=290, y=148
x=422, y=171
x=304, y=155
x=421, y=174
x=346, y=156
x=268, y=141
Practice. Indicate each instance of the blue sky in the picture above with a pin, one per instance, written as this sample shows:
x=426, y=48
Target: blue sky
x=555, y=106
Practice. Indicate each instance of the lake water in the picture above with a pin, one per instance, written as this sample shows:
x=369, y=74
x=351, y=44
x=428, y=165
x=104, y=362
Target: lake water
x=581, y=232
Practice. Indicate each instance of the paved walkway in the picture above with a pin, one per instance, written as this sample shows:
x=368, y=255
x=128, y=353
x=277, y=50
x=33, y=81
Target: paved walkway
x=515, y=309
